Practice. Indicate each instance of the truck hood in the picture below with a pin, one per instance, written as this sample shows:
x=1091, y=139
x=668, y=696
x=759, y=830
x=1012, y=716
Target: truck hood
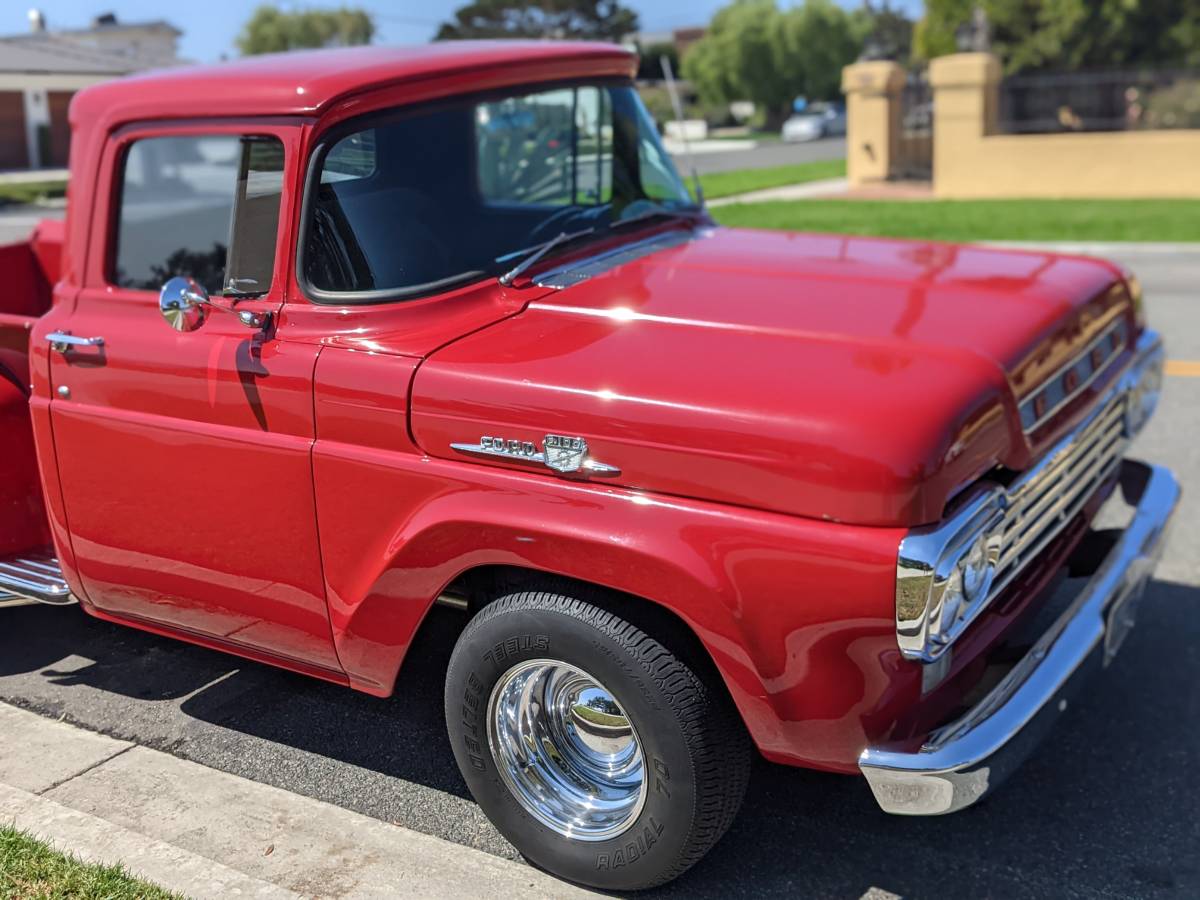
x=850, y=379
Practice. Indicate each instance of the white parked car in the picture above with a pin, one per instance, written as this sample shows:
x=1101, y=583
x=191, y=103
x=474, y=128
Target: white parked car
x=817, y=121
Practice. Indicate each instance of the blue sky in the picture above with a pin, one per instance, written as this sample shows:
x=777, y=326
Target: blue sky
x=209, y=26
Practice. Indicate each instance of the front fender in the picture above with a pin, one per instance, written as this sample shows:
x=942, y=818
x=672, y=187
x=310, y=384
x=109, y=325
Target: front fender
x=796, y=614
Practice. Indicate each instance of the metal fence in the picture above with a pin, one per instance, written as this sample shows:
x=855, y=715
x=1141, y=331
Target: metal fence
x=1100, y=101
x=915, y=151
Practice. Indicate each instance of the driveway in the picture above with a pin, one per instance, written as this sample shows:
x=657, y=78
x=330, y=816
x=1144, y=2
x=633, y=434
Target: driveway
x=1106, y=808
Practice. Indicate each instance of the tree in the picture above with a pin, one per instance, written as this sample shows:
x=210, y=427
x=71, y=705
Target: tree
x=934, y=33
x=889, y=33
x=599, y=20
x=271, y=30
x=754, y=51
x=1031, y=35
x=818, y=40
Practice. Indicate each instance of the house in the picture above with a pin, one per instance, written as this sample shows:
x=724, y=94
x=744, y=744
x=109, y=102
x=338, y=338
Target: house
x=42, y=69
x=680, y=38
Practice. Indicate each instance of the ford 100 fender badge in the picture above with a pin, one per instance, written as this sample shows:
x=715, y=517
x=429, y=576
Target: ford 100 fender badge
x=561, y=453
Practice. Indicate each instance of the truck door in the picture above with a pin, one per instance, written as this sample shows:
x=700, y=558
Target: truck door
x=184, y=456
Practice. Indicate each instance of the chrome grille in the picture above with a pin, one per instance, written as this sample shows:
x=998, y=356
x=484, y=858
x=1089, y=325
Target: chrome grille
x=1075, y=377
x=1044, y=500
x=1013, y=519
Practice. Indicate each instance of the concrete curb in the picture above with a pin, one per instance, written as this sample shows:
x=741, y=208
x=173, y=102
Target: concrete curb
x=709, y=145
x=825, y=187
x=206, y=833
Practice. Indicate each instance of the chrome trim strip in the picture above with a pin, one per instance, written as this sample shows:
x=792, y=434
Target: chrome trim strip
x=580, y=270
x=1084, y=355
x=962, y=762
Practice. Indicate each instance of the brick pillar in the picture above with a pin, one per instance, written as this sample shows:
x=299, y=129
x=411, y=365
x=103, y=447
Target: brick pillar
x=872, y=92
x=966, y=97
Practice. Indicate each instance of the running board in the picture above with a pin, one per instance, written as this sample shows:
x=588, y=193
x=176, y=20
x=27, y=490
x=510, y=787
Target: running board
x=33, y=576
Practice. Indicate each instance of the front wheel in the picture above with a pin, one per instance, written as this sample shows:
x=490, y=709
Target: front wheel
x=597, y=752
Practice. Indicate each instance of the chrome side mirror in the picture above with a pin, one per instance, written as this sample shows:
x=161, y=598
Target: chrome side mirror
x=183, y=303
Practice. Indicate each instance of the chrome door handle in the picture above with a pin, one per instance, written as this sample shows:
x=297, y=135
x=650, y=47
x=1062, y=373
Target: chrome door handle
x=62, y=341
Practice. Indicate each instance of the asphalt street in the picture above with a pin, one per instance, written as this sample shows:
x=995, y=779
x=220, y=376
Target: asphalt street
x=1106, y=808
x=765, y=155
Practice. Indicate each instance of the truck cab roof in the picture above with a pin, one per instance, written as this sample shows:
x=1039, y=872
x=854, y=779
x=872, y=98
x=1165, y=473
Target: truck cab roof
x=304, y=83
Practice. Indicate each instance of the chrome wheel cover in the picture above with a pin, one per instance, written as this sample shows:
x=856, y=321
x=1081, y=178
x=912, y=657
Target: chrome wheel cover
x=566, y=750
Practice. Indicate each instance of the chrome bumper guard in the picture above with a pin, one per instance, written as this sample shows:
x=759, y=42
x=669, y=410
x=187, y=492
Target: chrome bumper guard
x=962, y=762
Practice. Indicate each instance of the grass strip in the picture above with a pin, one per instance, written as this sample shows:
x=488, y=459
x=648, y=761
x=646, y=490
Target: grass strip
x=978, y=220
x=32, y=870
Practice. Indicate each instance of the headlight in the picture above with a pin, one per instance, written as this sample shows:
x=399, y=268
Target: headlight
x=1144, y=382
x=944, y=576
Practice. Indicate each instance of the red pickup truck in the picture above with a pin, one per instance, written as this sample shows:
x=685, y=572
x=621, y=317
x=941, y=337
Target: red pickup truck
x=331, y=337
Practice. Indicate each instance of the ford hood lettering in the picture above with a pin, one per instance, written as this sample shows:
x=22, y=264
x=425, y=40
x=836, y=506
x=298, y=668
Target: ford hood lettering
x=561, y=453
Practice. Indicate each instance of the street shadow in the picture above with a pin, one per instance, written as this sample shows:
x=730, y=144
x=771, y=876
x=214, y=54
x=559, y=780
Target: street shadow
x=71, y=649
x=402, y=736
x=1106, y=806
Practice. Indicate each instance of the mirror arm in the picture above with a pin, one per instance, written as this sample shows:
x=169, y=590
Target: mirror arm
x=184, y=303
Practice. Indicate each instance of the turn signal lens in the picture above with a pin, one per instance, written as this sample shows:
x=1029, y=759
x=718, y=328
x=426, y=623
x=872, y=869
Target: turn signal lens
x=1144, y=396
x=952, y=602
x=1144, y=389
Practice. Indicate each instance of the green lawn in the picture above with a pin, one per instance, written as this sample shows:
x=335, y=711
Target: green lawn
x=978, y=220
x=724, y=184
x=30, y=191
x=30, y=870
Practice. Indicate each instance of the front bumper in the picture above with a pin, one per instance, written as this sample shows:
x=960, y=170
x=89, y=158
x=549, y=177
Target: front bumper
x=960, y=763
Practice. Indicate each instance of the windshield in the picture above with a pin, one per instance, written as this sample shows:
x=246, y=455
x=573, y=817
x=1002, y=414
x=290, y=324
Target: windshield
x=421, y=200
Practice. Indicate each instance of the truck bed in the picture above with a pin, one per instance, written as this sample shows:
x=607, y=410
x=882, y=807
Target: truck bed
x=28, y=270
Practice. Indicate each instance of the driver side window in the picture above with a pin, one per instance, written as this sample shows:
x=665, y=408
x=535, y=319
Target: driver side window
x=202, y=206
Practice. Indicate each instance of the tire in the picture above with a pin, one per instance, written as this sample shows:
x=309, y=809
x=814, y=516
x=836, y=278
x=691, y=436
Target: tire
x=693, y=749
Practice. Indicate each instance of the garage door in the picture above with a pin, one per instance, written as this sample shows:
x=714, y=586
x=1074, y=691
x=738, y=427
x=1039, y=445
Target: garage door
x=14, y=153
x=60, y=129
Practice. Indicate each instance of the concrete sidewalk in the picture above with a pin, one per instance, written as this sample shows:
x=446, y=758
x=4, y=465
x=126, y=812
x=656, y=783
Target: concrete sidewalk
x=33, y=176
x=205, y=833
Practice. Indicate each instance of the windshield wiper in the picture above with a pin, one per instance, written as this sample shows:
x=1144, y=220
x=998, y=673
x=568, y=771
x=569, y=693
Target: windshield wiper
x=691, y=213
x=538, y=251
